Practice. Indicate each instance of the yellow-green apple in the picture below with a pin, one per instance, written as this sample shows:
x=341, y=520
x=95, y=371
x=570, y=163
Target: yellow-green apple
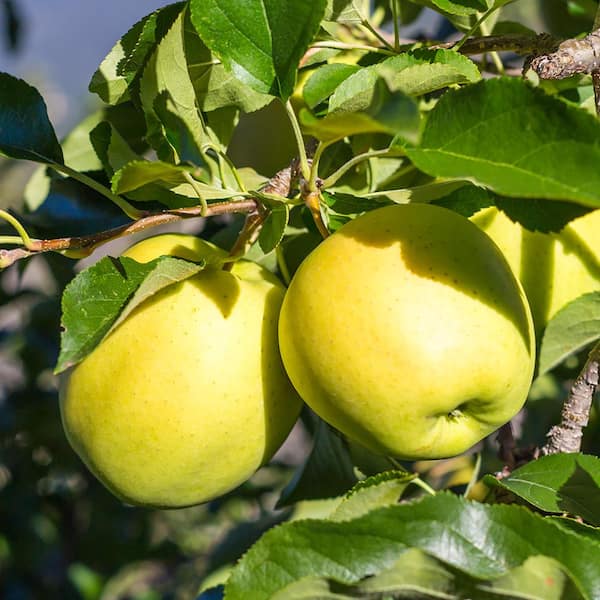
x=186, y=398
x=554, y=268
x=407, y=331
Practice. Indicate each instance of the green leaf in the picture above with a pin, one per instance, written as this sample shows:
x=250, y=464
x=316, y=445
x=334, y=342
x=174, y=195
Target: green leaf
x=456, y=7
x=78, y=153
x=175, y=128
x=214, y=85
x=260, y=41
x=467, y=200
x=273, y=228
x=369, y=106
x=25, y=130
x=423, y=71
x=323, y=82
x=572, y=328
x=347, y=204
x=328, y=471
x=380, y=490
x=427, y=192
x=417, y=575
x=346, y=11
x=93, y=301
x=482, y=541
x=112, y=150
x=514, y=139
x=558, y=483
x=139, y=173
x=540, y=215
x=127, y=58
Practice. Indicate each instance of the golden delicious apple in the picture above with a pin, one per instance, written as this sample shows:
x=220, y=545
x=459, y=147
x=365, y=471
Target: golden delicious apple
x=407, y=331
x=554, y=268
x=188, y=396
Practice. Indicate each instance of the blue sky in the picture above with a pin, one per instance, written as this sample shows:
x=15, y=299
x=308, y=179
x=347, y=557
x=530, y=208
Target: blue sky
x=65, y=40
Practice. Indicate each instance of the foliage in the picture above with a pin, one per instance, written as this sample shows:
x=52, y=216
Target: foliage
x=189, y=94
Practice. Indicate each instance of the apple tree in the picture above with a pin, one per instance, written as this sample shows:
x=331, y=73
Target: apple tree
x=300, y=136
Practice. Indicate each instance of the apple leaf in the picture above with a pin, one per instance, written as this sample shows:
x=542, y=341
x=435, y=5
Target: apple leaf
x=273, y=228
x=78, y=153
x=260, y=41
x=346, y=11
x=572, y=328
x=139, y=173
x=25, y=129
x=514, y=139
x=215, y=86
x=482, y=541
x=328, y=471
x=414, y=73
x=323, y=82
x=127, y=58
x=367, y=106
x=558, y=483
x=424, y=71
x=113, y=151
x=460, y=7
x=467, y=200
x=175, y=128
x=379, y=490
x=109, y=287
x=418, y=575
x=540, y=215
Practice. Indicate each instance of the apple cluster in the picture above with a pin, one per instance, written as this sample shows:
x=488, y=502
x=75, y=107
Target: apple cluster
x=407, y=330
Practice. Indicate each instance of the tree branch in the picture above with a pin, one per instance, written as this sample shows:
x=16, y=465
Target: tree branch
x=572, y=57
x=567, y=436
x=84, y=245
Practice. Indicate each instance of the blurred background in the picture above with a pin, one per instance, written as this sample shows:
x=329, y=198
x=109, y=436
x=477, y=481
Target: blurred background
x=62, y=535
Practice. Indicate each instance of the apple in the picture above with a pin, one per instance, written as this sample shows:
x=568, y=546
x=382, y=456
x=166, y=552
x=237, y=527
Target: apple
x=188, y=396
x=408, y=332
x=554, y=268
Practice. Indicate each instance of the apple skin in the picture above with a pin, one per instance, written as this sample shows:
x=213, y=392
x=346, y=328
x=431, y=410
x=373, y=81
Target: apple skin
x=554, y=268
x=188, y=397
x=408, y=332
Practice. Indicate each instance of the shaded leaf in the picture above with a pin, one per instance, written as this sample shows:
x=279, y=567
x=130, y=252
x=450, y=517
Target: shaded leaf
x=260, y=41
x=215, y=86
x=540, y=215
x=139, y=173
x=572, y=328
x=273, y=228
x=328, y=471
x=514, y=139
x=25, y=130
x=370, y=107
x=175, y=128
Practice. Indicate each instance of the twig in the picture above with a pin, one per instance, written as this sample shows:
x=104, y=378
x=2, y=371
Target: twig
x=89, y=242
x=567, y=436
x=596, y=74
x=571, y=58
x=280, y=184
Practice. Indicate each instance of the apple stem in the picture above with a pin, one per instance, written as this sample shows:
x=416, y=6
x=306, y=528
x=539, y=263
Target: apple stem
x=567, y=436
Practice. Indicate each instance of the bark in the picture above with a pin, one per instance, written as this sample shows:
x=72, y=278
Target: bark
x=567, y=436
